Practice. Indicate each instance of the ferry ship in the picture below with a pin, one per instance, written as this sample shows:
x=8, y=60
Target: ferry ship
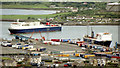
x=104, y=39
x=26, y=27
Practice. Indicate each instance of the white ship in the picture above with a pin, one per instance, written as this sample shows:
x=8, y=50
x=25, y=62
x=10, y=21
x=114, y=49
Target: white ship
x=25, y=27
x=100, y=39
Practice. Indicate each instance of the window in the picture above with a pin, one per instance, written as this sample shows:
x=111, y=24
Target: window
x=25, y=25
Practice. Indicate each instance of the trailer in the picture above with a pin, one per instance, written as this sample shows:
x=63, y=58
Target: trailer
x=14, y=46
x=56, y=40
x=32, y=49
x=64, y=55
x=55, y=43
x=47, y=42
x=27, y=47
x=65, y=40
x=18, y=46
x=88, y=55
x=41, y=49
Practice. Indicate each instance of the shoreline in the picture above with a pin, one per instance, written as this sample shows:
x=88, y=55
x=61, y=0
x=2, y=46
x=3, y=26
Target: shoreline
x=113, y=24
x=33, y=8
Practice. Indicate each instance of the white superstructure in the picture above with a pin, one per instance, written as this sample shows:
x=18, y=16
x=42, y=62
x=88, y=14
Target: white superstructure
x=29, y=25
x=104, y=37
x=26, y=25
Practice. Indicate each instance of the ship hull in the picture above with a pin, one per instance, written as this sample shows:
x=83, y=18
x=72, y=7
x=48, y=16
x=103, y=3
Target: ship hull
x=48, y=29
x=104, y=43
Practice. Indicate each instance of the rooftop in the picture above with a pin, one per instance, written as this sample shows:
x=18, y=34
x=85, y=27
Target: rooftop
x=113, y=3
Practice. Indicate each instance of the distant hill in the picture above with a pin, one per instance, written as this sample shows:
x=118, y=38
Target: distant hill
x=59, y=0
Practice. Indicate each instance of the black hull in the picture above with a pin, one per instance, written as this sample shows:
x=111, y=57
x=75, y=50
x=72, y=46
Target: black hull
x=104, y=43
x=15, y=31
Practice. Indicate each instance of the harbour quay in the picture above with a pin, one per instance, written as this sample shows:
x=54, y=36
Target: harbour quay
x=60, y=34
x=38, y=44
x=56, y=53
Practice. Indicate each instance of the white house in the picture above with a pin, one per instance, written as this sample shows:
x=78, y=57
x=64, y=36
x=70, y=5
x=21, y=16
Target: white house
x=115, y=7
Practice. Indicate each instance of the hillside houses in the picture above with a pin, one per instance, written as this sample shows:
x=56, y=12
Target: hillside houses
x=73, y=9
x=80, y=17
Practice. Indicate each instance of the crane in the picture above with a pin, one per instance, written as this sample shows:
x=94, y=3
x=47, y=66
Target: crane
x=43, y=38
x=32, y=34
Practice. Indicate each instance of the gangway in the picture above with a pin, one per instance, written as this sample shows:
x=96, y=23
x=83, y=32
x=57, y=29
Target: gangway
x=17, y=36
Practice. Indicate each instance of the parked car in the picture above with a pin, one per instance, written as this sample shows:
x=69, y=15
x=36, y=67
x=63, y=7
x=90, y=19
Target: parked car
x=6, y=43
x=67, y=65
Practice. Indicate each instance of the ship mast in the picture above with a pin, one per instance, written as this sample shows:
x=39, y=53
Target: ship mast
x=47, y=31
x=17, y=20
x=87, y=29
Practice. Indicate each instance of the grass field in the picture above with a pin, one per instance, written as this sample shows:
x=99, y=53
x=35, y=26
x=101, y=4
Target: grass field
x=24, y=6
x=31, y=16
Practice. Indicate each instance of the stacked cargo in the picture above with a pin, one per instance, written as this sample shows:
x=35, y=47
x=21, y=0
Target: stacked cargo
x=102, y=53
x=64, y=55
x=14, y=46
x=118, y=54
x=92, y=46
x=47, y=42
x=63, y=58
x=88, y=55
x=32, y=49
x=56, y=40
x=74, y=41
x=51, y=42
x=113, y=56
x=80, y=43
x=55, y=52
x=55, y=43
x=65, y=40
x=78, y=54
x=67, y=52
x=20, y=47
x=83, y=55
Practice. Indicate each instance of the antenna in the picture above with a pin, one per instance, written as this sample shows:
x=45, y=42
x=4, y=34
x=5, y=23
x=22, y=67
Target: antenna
x=91, y=30
x=87, y=28
x=92, y=33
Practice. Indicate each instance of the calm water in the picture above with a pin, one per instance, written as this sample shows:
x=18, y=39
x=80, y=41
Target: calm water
x=71, y=32
x=26, y=12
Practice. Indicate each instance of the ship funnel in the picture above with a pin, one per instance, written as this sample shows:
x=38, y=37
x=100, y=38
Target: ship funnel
x=92, y=33
x=47, y=23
